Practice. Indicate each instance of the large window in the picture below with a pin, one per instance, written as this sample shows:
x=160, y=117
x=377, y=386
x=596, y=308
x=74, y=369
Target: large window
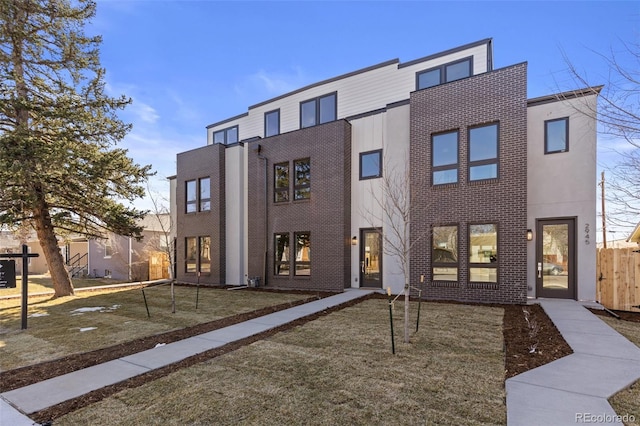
x=444, y=158
x=282, y=260
x=198, y=195
x=318, y=110
x=444, y=254
x=371, y=164
x=204, y=244
x=556, y=135
x=226, y=136
x=281, y=182
x=271, y=123
x=444, y=73
x=302, y=184
x=483, y=253
x=191, y=254
x=483, y=152
x=302, y=260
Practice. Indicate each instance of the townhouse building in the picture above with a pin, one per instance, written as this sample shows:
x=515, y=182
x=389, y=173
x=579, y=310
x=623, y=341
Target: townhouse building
x=304, y=191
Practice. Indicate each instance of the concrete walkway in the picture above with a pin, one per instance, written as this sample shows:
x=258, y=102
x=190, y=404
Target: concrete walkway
x=30, y=399
x=574, y=389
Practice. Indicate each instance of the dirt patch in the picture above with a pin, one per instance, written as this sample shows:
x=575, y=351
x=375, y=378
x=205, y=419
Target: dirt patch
x=624, y=315
x=530, y=340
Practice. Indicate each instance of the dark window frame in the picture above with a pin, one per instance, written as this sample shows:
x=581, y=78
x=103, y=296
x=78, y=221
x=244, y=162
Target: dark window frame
x=186, y=255
x=225, y=133
x=316, y=101
x=494, y=264
x=196, y=203
x=380, y=171
x=301, y=191
x=297, y=262
x=546, y=135
x=452, y=166
x=279, y=190
x=277, y=264
x=200, y=247
x=443, y=72
x=202, y=199
x=191, y=202
x=471, y=164
x=266, y=114
x=435, y=264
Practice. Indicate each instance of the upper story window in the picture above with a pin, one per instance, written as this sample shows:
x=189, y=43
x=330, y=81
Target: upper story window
x=483, y=152
x=302, y=184
x=556, y=135
x=271, y=123
x=444, y=73
x=281, y=182
x=198, y=195
x=444, y=253
x=483, y=253
x=226, y=136
x=318, y=110
x=444, y=158
x=371, y=164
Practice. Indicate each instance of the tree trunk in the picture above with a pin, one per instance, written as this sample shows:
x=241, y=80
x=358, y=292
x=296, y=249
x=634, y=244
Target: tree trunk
x=49, y=243
x=406, y=313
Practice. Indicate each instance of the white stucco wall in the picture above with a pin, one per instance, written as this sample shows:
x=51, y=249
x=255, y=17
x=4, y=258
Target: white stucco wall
x=388, y=131
x=563, y=185
x=235, y=208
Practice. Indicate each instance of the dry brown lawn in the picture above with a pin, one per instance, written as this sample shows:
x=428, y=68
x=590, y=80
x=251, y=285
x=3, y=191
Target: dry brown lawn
x=43, y=284
x=337, y=369
x=93, y=320
x=627, y=401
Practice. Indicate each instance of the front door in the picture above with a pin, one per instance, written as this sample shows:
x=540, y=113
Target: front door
x=555, y=258
x=370, y=258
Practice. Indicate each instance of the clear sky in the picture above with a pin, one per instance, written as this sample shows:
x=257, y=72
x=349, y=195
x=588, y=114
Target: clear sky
x=187, y=64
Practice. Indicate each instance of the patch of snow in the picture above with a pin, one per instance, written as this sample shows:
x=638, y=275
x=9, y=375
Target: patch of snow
x=81, y=311
x=39, y=314
x=87, y=329
x=159, y=345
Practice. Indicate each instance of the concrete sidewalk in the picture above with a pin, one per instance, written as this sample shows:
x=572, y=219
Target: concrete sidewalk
x=30, y=399
x=575, y=389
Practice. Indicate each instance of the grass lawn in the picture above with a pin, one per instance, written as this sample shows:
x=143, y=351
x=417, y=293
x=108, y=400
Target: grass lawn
x=92, y=320
x=42, y=283
x=627, y=401
x=337, y=369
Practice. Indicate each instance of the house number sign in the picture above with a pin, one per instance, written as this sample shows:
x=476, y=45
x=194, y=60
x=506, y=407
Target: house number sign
x=586, y=234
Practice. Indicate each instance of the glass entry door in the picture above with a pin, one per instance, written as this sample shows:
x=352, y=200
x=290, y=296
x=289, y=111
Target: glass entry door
x=370, y=258
x=555, y=258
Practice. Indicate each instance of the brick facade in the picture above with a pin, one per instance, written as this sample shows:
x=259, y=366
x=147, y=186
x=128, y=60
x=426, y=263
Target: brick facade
x=326, y=215
x=497, y=96
x=208, y=161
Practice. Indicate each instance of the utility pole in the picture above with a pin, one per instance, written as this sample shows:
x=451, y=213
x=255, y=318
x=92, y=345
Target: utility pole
x=604, y=217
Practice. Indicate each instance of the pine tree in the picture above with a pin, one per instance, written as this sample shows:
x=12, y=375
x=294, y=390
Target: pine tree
x=60, y=169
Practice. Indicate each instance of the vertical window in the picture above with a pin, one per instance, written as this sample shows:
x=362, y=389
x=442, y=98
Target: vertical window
x=271, y=123
x=444, y=254
x=318, y=111
x=282, y=259
x=556, y=135
x=205, y=193
x=302, y=185
x=226, y=136
x=204, y=261
x=428, y=78
x=281, y=182
x=483, y=152
x=108, y=250
x=444, y=158
x=371, y=164
x=192, y=196
x=190, y=254
x=303, y=253
x=483, y=253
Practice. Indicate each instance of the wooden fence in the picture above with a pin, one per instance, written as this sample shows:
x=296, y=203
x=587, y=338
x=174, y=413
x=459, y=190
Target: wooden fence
x=158, y=265
x=618, y=278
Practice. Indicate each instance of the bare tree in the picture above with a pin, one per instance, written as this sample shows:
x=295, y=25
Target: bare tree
x=618, y=113
x=392, y=208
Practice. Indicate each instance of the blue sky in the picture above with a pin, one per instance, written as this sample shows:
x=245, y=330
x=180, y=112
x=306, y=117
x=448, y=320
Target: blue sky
x=187, y=64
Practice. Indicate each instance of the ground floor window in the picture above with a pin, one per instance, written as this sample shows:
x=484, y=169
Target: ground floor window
x=303, y=253
x=483, y=253
x=191, y=252
x=282, y=259
x=197, y=254
x=444, y=255
x=204, y=244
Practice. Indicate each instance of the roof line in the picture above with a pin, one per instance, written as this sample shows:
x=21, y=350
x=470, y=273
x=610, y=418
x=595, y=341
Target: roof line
x=563, y=96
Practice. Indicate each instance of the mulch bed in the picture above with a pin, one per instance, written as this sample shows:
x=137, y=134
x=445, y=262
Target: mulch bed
x=520, y=337
x=624, y=315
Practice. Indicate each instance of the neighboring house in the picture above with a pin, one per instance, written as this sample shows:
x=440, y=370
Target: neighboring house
x=115, y=256
x=635, y=235
x=501, y=185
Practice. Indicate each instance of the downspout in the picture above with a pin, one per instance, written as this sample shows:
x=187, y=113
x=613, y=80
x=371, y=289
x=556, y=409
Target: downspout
x=266, y=213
